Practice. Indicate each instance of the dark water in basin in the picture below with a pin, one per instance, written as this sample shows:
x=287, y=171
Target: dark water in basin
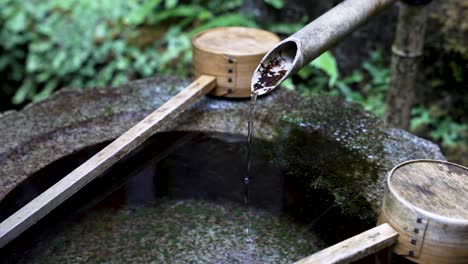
x=184, y=166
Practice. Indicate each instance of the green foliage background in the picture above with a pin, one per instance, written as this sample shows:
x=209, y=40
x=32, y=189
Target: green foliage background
x=46, y=45
x=81, y=43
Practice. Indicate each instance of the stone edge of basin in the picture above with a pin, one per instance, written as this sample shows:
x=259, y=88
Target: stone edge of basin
x=71, y=120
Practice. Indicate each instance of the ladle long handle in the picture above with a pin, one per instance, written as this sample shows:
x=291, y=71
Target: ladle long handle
x=356, y=247
x=92, y=168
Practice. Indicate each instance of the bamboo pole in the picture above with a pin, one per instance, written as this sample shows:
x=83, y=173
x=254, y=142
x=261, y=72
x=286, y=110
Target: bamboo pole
x=407, y=51
x=32, y=212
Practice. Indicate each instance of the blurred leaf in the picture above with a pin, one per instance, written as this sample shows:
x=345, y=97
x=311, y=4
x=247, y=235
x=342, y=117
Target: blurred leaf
x=288, y=84
x=137, y=17
x=22, y=92
x=118, y=46
x=222, y=6
x=306, y=71
x=179, y=11
x=285, y=28
x=278, y=4
x=170, y=4
x=4, y=60
x=119, y=79
x=380, y=74
x=43, y=77
x=18, y=23
x=421, y=116
x=444, y=128
x=327, y=63
x=176, y=44
x=38, y=47
x=100, y=31
x=63, y=4
x=346, y=91
x=204, y=15
x=355, y=77
x=33, y=63
x=225, y=21
x=59, y=59
x=46, y=91
x=450, y=132
x=122, y=63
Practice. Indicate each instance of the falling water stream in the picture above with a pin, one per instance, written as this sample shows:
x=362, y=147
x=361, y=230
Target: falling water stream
x=247, y=177
x=265, y=76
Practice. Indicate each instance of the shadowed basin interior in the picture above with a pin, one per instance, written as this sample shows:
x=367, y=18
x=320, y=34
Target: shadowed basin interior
x=180, y=196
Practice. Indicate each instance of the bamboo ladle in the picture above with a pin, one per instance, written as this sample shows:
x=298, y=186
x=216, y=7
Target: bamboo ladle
x=424, y=216
x=214, y=50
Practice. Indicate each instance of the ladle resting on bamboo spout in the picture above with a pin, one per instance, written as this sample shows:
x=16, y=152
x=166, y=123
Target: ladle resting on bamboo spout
x=291, y=54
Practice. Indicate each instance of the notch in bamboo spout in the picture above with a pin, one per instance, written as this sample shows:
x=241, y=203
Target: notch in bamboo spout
x=291, y=54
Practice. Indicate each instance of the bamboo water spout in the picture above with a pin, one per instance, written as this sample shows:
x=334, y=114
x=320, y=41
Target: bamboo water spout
x=299, y=49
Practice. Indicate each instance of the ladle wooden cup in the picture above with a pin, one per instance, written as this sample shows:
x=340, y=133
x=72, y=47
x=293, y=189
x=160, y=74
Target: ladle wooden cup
x=231, y=54
x=424, y=216
x=224, y=61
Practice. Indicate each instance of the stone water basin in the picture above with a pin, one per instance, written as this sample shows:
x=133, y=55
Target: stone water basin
x=169, y=202
x=318, y=172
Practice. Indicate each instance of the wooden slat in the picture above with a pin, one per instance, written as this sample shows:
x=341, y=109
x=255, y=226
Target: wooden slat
x=356, y=247
x=92, y=168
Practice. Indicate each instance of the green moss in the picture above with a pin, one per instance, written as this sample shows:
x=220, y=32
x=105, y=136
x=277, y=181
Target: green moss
x=333, y=146
x=182, y=231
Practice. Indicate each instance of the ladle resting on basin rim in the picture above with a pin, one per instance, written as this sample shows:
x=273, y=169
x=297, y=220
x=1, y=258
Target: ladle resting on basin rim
x=424, y=216
x=208, y=79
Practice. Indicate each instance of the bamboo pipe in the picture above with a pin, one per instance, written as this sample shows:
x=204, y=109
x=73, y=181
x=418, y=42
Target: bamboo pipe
x=32, y=212
x=291, y=54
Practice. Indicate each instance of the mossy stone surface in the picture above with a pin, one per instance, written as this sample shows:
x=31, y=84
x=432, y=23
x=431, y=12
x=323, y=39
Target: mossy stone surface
x=314, y=135
x=187, y=231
